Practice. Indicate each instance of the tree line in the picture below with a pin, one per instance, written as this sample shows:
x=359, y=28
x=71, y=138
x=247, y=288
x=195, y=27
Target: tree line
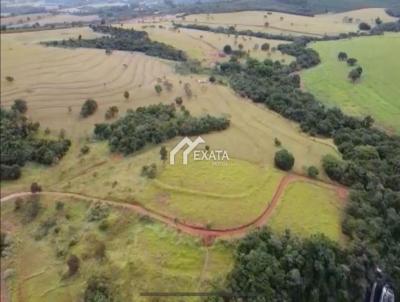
x=153, y=125
x=370, y=166
x=20, y=144
x=123, y=39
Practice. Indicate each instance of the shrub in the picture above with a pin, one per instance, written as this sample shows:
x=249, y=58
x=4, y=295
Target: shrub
x=9, y=79
x=364, y=26
x=88, y=108
x=111, y=112
x=227, y=49
x=126, y=94
x=212, y=79
x=97, y=211
x=98, y=289
x=149, y=171
x=11, y=172
x=20, y=106
x=333, y=167
x=35, y=188
x=284, y=160
x=158, y=88
x=73, y=265
x=351, y=61
x=265, y=47
x=178, y=100
x=277, y=142
x=85, y=149
x=312, y=172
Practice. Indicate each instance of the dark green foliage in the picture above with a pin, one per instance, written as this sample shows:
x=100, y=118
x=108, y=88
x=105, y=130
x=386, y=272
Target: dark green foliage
x=305, y=57
x=124, y=39
x=98, y=289
x=35, y=188
x=285, y=268
x=19, y=144
x=20, y=106
x=212, y=79
x=277, y=142
x=98, y=211
x=31, y=208
x=342, y=56
x=9, y=79
x=364, y=26
x=158, y=88
x=351, y=61
x=265, y=47
x=88, y=108
x=355, y=74
x=163, y=153
x=227, y=49
x=284, y=160
x=312, y=171
x=149, y=171
x=178, y=100
x=153, y=125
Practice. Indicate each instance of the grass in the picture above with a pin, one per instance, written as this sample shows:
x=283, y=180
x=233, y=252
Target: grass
x=307, y=209
x=212, y=195
x=153, y=257
x=206, y=47
x=377, y=92
x=288, y=24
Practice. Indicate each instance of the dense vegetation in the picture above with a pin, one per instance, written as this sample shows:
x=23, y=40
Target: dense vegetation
x=19, y=143
x=370, y=166
x=153, y=125
x=124, y=39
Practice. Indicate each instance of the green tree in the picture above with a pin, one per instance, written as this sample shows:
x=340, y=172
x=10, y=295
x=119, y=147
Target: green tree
x=342, y=56
x=73, y=265
x=88, y=108
x=355, y=74
x=126, y=95
x=163, y=153
x=284, y=160
x=312, y=171
x=265, y=47
x=227, y=49
x=351, y=61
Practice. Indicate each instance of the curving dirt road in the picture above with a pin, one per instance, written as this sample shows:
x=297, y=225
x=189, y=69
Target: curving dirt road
x=207, y=234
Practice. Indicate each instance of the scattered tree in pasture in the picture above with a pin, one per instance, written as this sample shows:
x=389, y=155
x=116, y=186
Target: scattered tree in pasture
x=73, y=265
x=35, y=188
x=88, y=108
x=342, y=56
x=178, y=100
x=20, y=106
x=355, y=74
x=111, y=112
x=163, y=153
x=227, y=49
x=277, y=142
x=378, y=21
x=158, y=89
x=126, y=95
x=85, y=150
x=168, y=85
x=351, y=61
x=284, y=160
x=212, y=79
x=364, y=26
x=79, y=37
x=149, y=171
x=188, y=90
x=312, y=171
x=9, y=79
x=265, y=47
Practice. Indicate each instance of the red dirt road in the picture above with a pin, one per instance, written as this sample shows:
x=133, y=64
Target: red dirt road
x=207, y=234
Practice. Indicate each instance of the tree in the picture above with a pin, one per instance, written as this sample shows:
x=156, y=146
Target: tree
x=35, y=187
x=188, y=90
x=9, y=79
x=73, y=265
x=312, y=171
x=265, y=47
x=378, y=21
x=227, y=49
x=355, y=74
x=126, y=95
x=333, y=167
x=20, y=106
x=88, y=108
x=284, y=160
x=163, y=153
x=98, y=289
x=240, y=46
x=212, y=79
x=364, y=26
x=85, y=149
x=178, y=100
x=111, y=112
x=277, y=142
x=342, y=56
x=158, y=89
x=351, y=61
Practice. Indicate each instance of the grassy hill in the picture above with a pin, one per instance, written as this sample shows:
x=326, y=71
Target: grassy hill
x=377, y=92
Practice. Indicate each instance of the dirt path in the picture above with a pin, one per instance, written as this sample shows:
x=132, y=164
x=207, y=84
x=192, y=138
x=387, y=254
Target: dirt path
x=207, y=234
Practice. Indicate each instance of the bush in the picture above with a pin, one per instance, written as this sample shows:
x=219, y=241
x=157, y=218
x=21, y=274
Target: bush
x=149, y=171
x=227, y=49
x=85, y=149
x=20, y=106
x=265, y=47
x=88, y=108
x=364, y=26
x=98, y=289
x=351, y=61
x=9, y=172
x=312, y=172
x=158, y=88
x=333, y=167
x=178, y=100
x=35, y=188
x=111, y=112
x=97, y=211
x=73, y=265
x=284, y=160
x=212, y=79
x=277, y=142
x=9, y=79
